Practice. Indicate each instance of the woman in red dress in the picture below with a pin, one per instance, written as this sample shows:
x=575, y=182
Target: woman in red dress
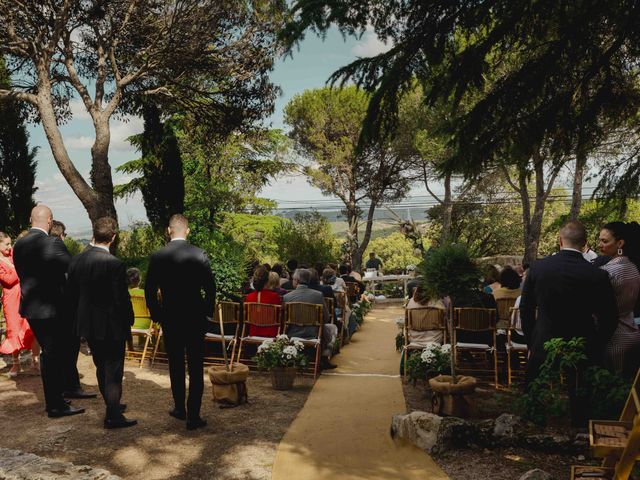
x=19, y=335
x=261, y=294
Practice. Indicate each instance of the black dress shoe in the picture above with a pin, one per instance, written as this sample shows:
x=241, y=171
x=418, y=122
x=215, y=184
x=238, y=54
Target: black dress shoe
x=197, y=423
x=119, y=423
x=179, y=414
x=123, y=407
x=66, y=411
x=79, y=394
x=325, y=364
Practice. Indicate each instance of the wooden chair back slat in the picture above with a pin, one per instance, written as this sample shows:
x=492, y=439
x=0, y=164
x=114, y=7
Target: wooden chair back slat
x=303, y=314
x=424, y=319
x=230, y=312
x=475, y=319
x=353, y=289
x=504, y=311
x=330, y=305
x=341, y=300
x=262, y=314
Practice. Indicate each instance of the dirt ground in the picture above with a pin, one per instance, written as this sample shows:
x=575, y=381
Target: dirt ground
x=238, y=443
x=499, y=463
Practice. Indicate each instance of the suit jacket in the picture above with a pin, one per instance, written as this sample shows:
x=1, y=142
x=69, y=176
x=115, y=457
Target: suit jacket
x=326, y=290
x=41, y=262
x=573, y=299
x=307, y=295
x=98, y=296
x=182, y=274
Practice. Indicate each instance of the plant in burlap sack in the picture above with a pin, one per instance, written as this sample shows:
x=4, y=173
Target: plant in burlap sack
x=280, y=352
x=435, y=359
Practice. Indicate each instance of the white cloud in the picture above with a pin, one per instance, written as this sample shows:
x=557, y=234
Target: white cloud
x=123, y=129
x=370, y=45
x=78, y=142
x=78, y=110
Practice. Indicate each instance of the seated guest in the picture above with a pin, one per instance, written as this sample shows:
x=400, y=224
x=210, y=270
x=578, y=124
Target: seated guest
x=491, y=276
x=420, y=300
x=302, y=293
x=274, y=284
x=261, y=294
x=345, y=274
x=509, y=284
x=133, y=282
x=292, y=265
x=355, y=275
x=336, y=283
x=314, y=284
x=282, y=274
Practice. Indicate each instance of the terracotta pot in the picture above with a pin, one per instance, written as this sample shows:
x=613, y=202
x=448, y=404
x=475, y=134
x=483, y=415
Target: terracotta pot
x=282, y=378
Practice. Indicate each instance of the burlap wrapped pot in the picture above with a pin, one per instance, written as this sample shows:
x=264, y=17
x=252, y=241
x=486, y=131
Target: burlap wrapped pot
x=444, y=384
x=229, y=387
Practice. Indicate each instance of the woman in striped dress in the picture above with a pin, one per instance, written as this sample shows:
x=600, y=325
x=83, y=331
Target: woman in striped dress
x=621, y=242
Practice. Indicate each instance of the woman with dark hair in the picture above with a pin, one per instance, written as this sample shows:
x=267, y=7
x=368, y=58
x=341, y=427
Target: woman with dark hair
x=509, y=289
x=261, y=294
x=19, y=334
x=491, y=279
x=621, y=242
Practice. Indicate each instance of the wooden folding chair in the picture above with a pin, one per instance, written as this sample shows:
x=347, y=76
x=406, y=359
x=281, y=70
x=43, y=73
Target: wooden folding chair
x=229, y=312
x=259, y=315
x=306, y=315
x=520, y=349
x=476, y=320
x=142, y=326
x=504, y=312
x=423, y=319
x=330, y=305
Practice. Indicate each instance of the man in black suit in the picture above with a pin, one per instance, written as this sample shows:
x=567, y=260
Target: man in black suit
x=71, y=376
x=572, y=298
x=180, y=275
x=41, y=263
x=100, y=305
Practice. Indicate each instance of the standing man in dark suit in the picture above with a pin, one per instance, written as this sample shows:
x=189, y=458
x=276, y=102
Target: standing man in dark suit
x=71, y=377
x=180, y=275
x=100, y=305
x=41, y=263
x=572, y=299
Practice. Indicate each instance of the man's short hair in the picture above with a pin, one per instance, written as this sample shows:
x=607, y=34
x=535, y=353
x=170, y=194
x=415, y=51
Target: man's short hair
x=178, y=222
x=344, y=269
x=302, y=276
x=292, y=264
x=104, y=229
x=133, y=277
x=574, y=234
x=372, y=254
x=57, y=229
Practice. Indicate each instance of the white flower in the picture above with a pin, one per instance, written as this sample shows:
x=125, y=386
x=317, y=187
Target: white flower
x=427, y=356
x=431, y=346
x=290, y=351
x=298, y=344
x=446, y=348
x=282, y=336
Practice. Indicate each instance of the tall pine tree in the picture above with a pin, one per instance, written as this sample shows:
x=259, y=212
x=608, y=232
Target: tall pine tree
x=17, y=164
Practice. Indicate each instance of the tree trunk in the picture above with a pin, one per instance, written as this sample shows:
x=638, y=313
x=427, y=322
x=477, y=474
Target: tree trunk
x=101, y=178
x=447, y=210
x=357, y=259
x=530, y=248
x=581, y=162
x=352, y=230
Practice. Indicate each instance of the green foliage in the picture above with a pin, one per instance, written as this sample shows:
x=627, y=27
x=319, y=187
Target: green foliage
x=160, y=167
x=280, y=352
x=434, y=359
x=601, y=392
x=360, y=309
x=17, y=164
x=227, y=260
x=448, y=270
x=254, y=232
x=395, y=251
x=73, y=246
x=399, y=341
x=308, y=239
x=140, y=241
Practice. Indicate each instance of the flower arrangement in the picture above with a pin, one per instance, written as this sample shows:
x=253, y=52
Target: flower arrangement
x=280, y=352
x=434, y=359
x=360, y=309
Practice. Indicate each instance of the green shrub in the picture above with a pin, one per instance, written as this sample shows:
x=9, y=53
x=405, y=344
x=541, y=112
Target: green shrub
x=449, y=270
x=395, y=251
x=227, y=259
x=307, y=238
x=73, y=246
x=602, y=392
x=139, y=241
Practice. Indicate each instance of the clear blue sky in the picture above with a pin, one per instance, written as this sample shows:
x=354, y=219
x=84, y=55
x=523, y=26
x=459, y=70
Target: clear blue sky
x=309, y=67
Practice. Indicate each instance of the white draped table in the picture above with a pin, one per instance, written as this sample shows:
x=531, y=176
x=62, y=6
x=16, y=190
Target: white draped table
x=371, y=281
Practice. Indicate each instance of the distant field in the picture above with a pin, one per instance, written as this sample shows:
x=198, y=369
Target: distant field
x=381, y=228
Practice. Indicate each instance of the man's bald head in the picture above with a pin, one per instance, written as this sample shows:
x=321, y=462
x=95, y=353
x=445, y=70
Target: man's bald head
x=178, y=226
x=41, y=217
x=573, y=235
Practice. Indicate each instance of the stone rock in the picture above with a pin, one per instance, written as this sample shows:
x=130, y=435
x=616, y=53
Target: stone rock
x=506, y=426
x=548, y=442
x=456, y=433
x=536, y=474
x=17, y=465
x=419, y=428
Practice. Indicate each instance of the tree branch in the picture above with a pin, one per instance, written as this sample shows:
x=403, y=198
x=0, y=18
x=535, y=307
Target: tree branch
x=21, y=96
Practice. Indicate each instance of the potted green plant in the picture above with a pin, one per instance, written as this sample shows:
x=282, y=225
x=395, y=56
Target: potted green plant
x=282, y=357
x=448, y=271
x=433, y=360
